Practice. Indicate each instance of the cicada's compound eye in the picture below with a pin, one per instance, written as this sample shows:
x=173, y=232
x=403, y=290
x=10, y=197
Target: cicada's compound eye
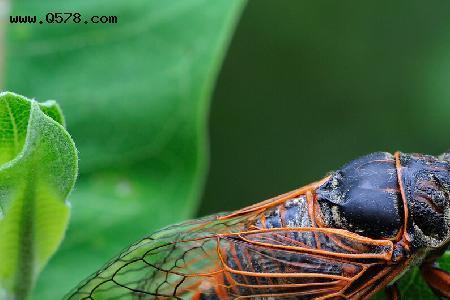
x=363, y=197
x=433, y=191
x=426, y=182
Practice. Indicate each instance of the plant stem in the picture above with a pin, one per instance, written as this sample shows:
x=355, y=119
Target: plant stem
x=24, y=279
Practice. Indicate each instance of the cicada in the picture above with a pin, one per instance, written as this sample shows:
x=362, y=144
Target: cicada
x=347, y=236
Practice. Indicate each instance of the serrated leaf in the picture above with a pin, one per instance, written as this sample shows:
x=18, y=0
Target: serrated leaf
x=37, y=172
x=136, y=97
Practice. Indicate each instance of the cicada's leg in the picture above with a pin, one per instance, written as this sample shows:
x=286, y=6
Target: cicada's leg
x=392, y=292
x=437, y=279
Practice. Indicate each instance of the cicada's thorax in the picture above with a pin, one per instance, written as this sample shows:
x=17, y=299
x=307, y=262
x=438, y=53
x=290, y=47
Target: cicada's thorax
x=364, y=197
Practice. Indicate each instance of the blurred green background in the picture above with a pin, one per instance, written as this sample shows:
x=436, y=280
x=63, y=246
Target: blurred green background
x=309, y=85
x=305, y=86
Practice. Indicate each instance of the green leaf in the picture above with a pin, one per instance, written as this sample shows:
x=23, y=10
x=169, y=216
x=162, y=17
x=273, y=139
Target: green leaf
x=38, y=170
x=136, y=96
x=412, y=285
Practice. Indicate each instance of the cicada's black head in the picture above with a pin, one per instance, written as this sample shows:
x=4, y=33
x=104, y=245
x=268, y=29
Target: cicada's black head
x=426, y=185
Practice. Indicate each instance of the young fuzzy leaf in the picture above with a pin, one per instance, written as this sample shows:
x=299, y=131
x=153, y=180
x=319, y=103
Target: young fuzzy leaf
x=38, y=167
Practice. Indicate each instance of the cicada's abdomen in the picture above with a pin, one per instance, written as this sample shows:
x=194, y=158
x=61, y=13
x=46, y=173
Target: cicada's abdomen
x=364, y=197
x=292, y=213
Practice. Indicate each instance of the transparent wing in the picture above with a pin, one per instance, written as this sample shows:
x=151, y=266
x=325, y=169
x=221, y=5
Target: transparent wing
x=169, y=264
x=215, y=258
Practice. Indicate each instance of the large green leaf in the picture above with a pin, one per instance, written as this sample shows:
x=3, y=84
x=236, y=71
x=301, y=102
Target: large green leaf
x=136, y=97
x=38, y=167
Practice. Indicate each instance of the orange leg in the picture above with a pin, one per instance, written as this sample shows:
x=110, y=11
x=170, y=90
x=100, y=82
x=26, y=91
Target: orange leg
x=437, y=279
x=392, y=292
